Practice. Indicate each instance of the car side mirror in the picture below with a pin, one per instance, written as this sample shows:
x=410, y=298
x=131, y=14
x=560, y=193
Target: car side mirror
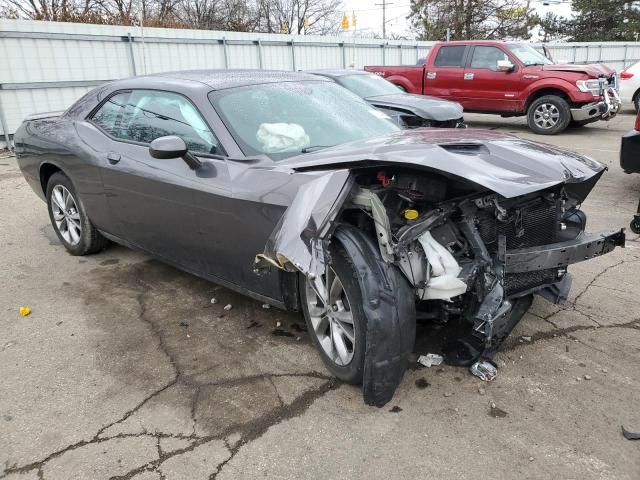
x=171, y=146
x=505, y=66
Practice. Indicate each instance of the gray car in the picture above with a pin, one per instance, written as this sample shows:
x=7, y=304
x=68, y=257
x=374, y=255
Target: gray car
x=408, y=110
x=296, y=192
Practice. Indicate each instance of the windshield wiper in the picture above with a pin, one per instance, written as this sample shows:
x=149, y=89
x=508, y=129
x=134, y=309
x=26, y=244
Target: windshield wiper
x=313, y=148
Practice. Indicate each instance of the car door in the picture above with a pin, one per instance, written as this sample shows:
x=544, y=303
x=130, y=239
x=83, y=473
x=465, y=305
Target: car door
x=444, y=76
x=156, y=203
x=486, y=88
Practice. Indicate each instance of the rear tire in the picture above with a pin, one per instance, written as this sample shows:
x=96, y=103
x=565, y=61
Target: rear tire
x=636, y=102
x=548, y=115
x=69, y=218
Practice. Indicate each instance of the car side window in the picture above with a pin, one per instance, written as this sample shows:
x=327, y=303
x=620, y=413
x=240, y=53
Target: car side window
x=144, y=115
x=450, y=56
x=487, y=57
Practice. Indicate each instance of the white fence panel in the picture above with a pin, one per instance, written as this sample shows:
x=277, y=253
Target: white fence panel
x=48, y=65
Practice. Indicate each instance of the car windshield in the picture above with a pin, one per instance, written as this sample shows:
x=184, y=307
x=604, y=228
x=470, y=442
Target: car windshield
x=528, y=55
x=285, y=119
x=367, y=85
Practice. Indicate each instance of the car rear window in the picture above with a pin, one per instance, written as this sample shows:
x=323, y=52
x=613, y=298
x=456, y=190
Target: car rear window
x=450, y=56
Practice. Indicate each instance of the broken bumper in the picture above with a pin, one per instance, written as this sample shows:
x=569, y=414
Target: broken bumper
x=605, y=109
x=560, y=255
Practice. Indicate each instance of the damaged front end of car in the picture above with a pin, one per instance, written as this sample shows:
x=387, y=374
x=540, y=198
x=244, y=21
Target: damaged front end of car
x=471, y=256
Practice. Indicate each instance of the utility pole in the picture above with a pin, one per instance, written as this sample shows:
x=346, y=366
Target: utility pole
x=384, y=16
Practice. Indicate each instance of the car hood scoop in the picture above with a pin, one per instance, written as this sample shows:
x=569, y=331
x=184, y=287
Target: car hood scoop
x=505, y=164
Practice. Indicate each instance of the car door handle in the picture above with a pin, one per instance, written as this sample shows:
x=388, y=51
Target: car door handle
x=113, y=157
x=468, y=76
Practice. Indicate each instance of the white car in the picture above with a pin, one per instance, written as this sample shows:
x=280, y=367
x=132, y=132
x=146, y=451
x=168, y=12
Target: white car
x=630, y=85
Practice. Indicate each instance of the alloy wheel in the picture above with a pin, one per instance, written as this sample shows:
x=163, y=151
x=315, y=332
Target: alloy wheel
x=331, y=317
x=66, y=215
x=546, y=116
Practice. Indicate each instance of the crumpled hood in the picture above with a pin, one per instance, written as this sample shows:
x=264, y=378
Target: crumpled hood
x=593, y=70
x=430, y=108
x=505, y=164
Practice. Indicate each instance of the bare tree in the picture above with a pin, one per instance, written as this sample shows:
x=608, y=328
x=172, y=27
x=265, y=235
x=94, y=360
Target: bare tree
x=471, y=19
x=300, y=16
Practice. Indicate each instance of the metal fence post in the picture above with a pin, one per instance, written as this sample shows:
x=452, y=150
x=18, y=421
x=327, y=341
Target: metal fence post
x=624, y=58
x=132, y=59
x=5, y=128
x=600, y=54
x=384, y=55
x=224, y=52
x=587, y=59
x=344, y=55
x=417, y=54
x=260, y=60
x=293, y=54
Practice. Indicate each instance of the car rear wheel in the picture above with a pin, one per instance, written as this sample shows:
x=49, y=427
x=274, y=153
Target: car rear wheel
x=636, y=102
x=332, y=307
x=548, y=115
x=69, y=218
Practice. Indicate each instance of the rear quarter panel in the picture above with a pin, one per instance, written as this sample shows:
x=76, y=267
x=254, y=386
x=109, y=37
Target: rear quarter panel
x=408, y=77
x=57, y=142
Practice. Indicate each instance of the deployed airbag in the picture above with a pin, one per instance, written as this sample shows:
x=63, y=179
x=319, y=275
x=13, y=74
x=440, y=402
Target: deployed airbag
x=282, y=137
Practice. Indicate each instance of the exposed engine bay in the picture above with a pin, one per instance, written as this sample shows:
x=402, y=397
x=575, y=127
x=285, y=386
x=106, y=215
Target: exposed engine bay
x=452, y=244
x=473, y=258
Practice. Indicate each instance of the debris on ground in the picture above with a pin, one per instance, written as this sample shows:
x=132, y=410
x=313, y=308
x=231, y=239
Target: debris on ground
x=184, y=324
x=448, y=394
x=278, y=324
x=214, y=300
x=526, y=339
x=484, y=370
x=587, y=377
x=266, y=306
x=496, y=412
x=630, y=435
x=531, y=459
x=24, y=311
x=422, y=383
x=395, y=409
x=481, y=390
x=228, y=307
x=430, y=359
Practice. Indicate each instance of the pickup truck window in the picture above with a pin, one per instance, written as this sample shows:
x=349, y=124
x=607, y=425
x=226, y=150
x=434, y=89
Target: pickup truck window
x=487, y=57
x=528, y=55
x=450, y=56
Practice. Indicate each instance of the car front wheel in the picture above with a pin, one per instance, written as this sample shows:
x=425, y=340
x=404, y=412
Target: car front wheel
x=332, y=307
x=69, y=218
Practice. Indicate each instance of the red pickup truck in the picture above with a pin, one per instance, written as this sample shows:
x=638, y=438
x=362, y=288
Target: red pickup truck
x=512, y=79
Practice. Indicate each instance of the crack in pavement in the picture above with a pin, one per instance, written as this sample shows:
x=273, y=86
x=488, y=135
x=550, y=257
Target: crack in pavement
x=249, y=430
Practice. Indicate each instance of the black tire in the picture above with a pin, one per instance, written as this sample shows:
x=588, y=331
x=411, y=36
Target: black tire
x=551, y=125
x=88, y=240
x=635, y=225
x=343, y=267
x=636, y=102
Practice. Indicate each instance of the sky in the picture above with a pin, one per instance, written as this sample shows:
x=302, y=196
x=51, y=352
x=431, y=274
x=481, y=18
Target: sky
x=369, y=15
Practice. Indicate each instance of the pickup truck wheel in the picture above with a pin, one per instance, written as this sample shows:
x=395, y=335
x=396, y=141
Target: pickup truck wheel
x=548, y=115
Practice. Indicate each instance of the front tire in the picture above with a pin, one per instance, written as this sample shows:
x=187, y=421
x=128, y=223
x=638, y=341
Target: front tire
x=338, y=328
x=548, y=115
x=69, y=218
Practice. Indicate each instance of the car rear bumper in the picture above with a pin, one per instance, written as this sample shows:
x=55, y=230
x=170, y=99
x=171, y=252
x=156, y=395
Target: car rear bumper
x=630, y=152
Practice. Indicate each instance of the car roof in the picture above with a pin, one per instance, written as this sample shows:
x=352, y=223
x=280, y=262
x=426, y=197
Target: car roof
x=337, y=72
x=475, y=42
x=222, y=79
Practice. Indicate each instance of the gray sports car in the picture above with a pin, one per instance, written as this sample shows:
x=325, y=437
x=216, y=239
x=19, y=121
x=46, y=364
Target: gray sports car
x=296, y=192
x=407, y=109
